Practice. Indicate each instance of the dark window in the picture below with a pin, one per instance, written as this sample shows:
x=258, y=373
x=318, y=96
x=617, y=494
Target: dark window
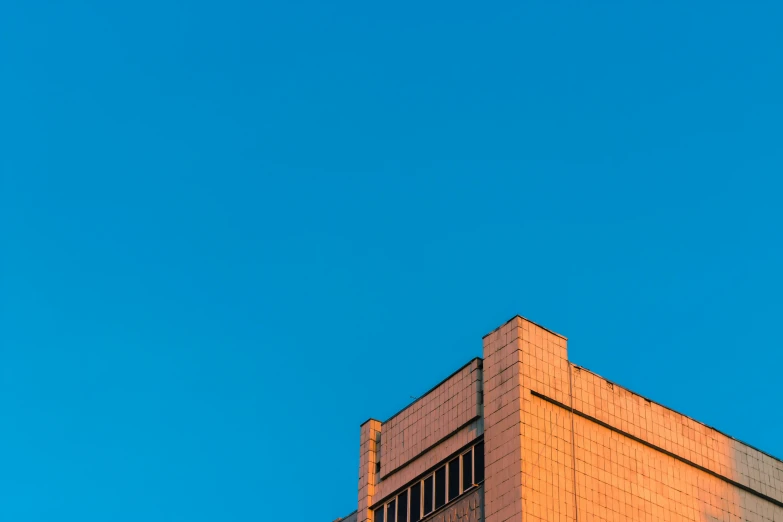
x=428, y=495
x=458, y=475
x=416, y=502
x=402, y=507
x=478, y=450
x=467, y=470
x=440, y=487
x=454, y=479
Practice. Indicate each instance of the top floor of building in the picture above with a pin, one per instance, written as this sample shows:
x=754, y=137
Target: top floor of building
x=481, y=441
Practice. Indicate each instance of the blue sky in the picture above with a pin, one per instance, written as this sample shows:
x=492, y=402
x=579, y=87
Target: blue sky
x=233, y=231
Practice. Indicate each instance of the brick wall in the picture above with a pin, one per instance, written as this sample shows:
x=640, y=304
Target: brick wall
x=636, y=481
x=442, y=421
x=438, y=414
x=368, y=457
x=563, y=444
x=517, y=356
x=630, y=459
x=429, y=459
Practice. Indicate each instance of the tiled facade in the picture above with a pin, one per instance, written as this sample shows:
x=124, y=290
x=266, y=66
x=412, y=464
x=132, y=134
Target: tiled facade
x=439, y=413
x=560, y=444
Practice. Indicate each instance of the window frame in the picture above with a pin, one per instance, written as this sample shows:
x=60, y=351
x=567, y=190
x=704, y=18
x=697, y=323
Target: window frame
x=424, y=495
x=472, y=470
x=446, y=466
x=445, y=469
x=458, y=458
x=410, y=503
x=483, y=462
x=407, y=505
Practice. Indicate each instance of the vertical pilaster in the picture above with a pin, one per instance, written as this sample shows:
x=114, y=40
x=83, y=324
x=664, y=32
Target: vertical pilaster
x=503, y=423
x=521, y=433
x=368, y=458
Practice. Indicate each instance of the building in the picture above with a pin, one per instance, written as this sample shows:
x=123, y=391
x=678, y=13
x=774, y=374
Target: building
x=523, y=434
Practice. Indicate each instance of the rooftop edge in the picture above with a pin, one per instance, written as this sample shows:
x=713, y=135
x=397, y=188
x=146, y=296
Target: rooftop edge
x=582, y=368
x=529, y=321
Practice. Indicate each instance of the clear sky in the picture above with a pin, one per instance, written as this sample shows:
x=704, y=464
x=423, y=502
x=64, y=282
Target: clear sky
x=233, y=231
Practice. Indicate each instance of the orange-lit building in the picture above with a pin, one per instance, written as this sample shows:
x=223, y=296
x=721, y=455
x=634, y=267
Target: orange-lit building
x=523, y=434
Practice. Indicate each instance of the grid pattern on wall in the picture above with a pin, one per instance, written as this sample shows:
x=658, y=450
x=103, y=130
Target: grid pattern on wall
x=428, y=420
x=676, y=433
